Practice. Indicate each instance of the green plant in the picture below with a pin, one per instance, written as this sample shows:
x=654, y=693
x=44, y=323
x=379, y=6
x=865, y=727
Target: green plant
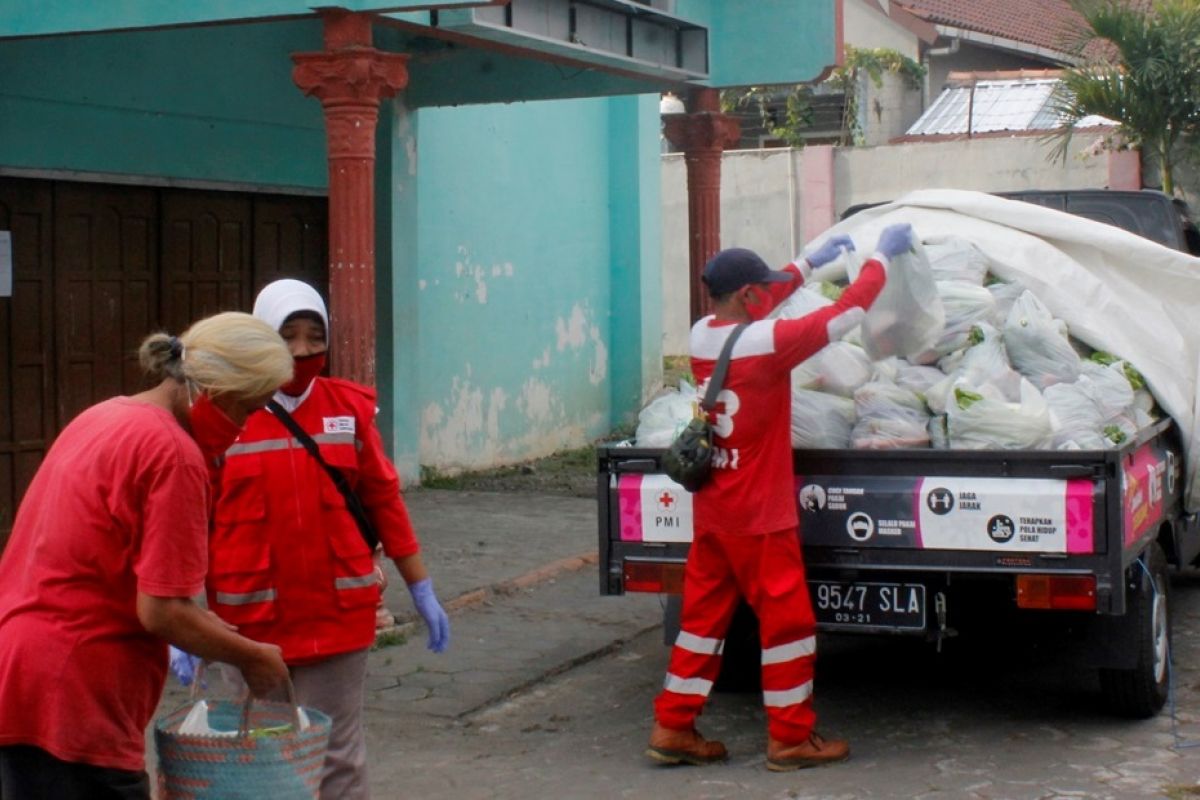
x=797, y=109
x=1140, y=66
x=873, y=64
x=797, y=116
x=389, y=639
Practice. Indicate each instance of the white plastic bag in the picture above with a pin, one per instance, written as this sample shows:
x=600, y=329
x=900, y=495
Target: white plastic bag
x=965, y=306
x=821, y=420
x=984, y=363
x=666, y=416
x=889, y=417
x=907, y=318
x=1036, y=345
x=918, y=379
x=985, y=421
x=837, y=368
x=799, y=303
x=1075, y=419
x=196, y=723
x=953, y=258
x=1108, y=387
x=1004, y=295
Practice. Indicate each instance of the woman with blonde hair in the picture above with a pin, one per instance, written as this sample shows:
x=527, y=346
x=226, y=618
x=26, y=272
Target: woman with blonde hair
x=109, y=545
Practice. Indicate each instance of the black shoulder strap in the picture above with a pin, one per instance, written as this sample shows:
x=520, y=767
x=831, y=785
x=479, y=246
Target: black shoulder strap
x=717, y=381
x=353, y=504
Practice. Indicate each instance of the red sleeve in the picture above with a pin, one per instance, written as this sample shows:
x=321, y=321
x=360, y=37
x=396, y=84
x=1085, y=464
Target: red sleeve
x=379, y=489
x=778, y=293
x=798, y=339
x=172, y=557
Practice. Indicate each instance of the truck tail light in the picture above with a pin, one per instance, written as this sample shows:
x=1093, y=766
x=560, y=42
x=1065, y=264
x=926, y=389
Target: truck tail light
x=1057, y=592
x=653, y=576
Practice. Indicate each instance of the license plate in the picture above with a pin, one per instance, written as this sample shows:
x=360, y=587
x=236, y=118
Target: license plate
x=868, y=605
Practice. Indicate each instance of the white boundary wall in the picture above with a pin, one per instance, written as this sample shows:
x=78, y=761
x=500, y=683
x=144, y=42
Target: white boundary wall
x=762, y=195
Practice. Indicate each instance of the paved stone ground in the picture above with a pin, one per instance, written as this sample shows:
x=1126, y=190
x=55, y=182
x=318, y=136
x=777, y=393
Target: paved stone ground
x=999, y=721
x=547, y=692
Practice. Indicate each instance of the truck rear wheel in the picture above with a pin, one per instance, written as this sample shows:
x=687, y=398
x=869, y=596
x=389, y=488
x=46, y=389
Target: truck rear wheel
x=1141, y=691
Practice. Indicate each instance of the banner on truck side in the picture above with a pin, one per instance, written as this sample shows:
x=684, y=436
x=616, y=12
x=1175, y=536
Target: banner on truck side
x=932, y=513
x=943, y=513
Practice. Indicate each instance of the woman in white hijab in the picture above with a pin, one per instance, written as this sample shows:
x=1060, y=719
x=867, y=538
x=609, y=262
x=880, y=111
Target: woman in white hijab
x=291, y=554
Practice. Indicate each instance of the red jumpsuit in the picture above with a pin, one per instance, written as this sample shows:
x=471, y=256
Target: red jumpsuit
x=746, y=542
x=287, y=562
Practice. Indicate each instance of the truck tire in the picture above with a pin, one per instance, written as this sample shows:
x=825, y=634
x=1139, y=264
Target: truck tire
x=1141, y=691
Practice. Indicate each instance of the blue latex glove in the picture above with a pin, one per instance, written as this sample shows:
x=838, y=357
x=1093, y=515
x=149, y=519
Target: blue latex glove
x=895, y=239
x=183, y=665
x=830, y=250
x=432, y=612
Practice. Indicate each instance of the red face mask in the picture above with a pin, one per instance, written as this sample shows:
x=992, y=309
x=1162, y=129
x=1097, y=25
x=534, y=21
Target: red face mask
x=758, y=305
x=212, y=428
x=304, y=371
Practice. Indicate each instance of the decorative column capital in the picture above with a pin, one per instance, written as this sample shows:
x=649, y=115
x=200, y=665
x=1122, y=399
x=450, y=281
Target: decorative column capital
x=350, y=83
x=704, y=130
x=351, y=76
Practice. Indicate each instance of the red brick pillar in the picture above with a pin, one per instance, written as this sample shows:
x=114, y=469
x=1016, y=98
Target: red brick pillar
x=702, y=135
x=350, y=77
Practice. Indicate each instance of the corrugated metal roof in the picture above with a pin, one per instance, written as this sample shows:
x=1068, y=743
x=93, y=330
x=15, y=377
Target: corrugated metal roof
x=987, y=106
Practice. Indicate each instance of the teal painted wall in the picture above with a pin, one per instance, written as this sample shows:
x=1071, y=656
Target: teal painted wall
x=512, y=225
x=211, y=104
x=765, y=41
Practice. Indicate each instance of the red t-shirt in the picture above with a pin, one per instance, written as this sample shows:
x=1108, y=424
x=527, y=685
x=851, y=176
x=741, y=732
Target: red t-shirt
x=751, y=489
x=117, y=507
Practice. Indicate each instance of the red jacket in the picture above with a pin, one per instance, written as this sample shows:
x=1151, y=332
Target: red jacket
x=287, y=563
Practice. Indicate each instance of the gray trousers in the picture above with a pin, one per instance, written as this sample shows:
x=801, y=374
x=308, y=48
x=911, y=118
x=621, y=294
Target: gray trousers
x=335, y=686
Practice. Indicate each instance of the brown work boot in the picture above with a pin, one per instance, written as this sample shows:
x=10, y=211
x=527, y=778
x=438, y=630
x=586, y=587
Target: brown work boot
x=668, y=746
x=813, y=752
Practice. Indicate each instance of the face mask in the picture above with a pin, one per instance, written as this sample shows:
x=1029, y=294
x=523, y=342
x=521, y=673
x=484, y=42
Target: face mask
x=212, y=428
x=305, y=370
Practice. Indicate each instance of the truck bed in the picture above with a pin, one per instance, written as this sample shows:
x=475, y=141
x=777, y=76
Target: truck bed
x=922, y=517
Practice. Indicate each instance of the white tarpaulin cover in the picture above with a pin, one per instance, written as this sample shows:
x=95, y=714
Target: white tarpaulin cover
x=1117, y=291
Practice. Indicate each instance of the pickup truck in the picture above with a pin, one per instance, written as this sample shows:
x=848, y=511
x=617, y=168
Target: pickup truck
x=930, y=542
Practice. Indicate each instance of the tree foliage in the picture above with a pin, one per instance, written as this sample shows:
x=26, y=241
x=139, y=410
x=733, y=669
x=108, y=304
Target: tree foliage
x=1140, y=67
x=860, y=64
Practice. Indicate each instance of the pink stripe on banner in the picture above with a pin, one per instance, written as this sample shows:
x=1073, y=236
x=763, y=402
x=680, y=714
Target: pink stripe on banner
x=1080, y=538
x=629, y=501
x=916, y=514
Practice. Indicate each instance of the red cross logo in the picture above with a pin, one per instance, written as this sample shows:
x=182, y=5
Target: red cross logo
x=666, y=500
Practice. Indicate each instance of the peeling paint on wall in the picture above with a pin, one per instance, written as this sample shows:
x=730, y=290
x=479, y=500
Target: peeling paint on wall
x=571, y=330
x=598, y=369
x=542, y=361
x=537, y=401
x=477, y=273
x=577, y=331
x=498, y=401
x=455, y=431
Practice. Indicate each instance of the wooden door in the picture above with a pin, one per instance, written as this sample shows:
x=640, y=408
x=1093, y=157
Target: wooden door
x=290, y=241
x=98, y=267
x=27, y=392
x=206, y=255
x=106, y=290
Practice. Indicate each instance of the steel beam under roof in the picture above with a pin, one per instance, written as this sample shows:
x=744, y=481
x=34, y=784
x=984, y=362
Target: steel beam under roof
x=614, y=34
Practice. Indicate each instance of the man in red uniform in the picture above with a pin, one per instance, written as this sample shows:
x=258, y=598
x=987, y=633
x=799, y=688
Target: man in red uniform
x=746, y=542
